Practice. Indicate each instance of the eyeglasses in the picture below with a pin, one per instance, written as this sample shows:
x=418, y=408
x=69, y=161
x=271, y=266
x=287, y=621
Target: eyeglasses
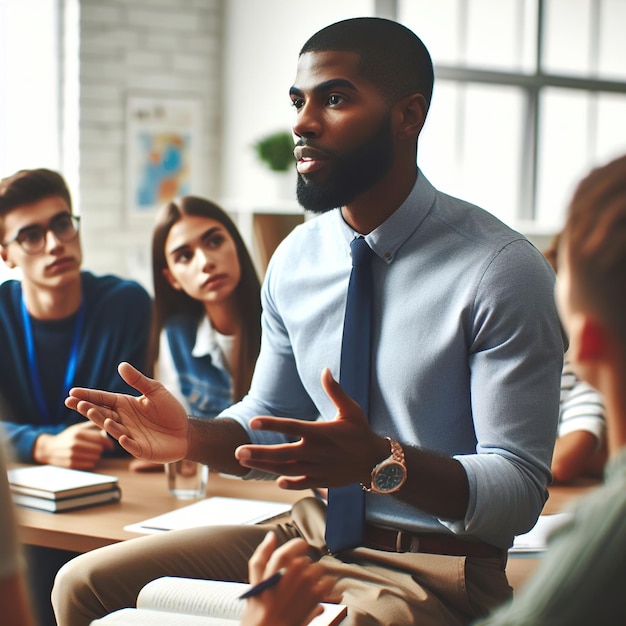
x=33, y=238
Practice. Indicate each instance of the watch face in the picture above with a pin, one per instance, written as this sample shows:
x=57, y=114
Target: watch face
x=389, y=477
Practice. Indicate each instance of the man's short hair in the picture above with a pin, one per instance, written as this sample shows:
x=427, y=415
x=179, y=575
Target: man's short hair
x=393, y=57
x=30, y=186
x=595, y=243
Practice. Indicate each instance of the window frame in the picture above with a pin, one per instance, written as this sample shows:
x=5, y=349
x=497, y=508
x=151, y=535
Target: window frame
x=532, y=84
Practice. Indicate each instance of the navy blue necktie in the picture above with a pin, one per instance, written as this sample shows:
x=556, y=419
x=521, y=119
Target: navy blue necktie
x=345, y=517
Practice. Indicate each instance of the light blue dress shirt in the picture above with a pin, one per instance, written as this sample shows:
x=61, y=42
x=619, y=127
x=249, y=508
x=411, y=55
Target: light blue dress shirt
x=467, y=343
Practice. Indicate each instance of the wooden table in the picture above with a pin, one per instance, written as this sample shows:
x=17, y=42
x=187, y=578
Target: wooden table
x=145, y=494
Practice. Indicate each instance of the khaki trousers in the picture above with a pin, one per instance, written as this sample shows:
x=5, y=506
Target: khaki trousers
x=380, y=588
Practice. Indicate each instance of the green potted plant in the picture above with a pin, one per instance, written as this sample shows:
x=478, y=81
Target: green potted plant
x=276, y=151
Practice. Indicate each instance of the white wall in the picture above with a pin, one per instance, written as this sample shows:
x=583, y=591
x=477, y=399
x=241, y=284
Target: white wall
x=169, y=48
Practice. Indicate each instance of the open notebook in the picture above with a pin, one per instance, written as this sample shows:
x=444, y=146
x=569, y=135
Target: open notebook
x=170, y=601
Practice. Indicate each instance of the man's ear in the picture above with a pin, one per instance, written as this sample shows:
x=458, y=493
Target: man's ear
x=5, y=258
x=593, y=341
x=412, y=111
x=171, y=280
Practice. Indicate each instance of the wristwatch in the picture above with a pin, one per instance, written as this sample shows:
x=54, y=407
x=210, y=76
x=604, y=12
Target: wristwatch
x=389, y=475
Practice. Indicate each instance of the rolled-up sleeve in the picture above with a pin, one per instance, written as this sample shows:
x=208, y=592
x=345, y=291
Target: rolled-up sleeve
x=515, y=363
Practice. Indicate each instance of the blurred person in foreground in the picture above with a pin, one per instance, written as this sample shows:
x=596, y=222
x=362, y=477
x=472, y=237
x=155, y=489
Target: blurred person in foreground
x=580, y=448
x=582, y=578
x=14, y=599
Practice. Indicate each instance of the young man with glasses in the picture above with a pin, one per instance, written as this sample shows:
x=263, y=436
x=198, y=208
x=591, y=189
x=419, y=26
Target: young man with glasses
x=59, y=326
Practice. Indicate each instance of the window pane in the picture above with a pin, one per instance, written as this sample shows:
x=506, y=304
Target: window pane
x=440, y=147
x=471, y=145
x=611, y=126
x=29, y=84
x=472, y=38
x=612, y=57
x=501, y=35
x=564, y=151
x=567, y=39
x=29, y=129
x=436, y=23
x=578, y=131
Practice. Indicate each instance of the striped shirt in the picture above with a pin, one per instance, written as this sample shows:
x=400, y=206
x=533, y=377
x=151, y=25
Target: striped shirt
x=582, y=407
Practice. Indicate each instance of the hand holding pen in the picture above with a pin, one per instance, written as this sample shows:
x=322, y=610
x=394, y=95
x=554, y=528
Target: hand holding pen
x=286, y=585
x=266, y=583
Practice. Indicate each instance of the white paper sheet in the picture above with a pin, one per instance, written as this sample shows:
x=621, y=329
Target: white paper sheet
x=214, y=511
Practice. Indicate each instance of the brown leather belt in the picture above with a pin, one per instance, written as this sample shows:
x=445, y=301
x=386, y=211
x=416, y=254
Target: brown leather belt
x=391, y=540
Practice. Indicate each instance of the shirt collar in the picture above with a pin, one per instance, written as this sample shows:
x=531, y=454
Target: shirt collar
x=206, y=342
x=396, y=229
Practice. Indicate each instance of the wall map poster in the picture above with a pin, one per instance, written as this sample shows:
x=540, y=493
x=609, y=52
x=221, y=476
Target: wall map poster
x=163, y=141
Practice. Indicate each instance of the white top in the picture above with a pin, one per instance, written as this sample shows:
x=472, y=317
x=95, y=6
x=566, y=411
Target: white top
x=208, y=342
x=582, y=407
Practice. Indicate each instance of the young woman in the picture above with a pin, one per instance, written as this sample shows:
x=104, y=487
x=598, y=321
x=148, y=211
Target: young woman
x=207, y=321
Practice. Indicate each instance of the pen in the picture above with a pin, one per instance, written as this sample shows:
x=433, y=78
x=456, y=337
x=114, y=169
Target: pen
x=318, y=494
x=264, y=584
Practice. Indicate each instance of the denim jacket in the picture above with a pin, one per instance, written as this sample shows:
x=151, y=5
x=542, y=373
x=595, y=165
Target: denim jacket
x=203, y=376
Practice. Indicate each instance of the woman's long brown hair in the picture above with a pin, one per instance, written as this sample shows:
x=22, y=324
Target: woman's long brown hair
x=169, y=301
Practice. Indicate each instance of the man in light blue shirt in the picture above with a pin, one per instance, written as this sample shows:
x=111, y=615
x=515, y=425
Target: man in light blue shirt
x=465, y=352
x=467, y=357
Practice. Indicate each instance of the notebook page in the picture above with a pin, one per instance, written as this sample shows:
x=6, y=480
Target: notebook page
x=194, y=597
x=147, y=617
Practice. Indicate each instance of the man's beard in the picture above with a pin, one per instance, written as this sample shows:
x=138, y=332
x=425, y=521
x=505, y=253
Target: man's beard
x=352, y=173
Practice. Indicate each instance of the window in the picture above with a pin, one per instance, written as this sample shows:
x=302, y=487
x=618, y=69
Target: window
x=29, y=85
x=29, y=89
x=529, y=95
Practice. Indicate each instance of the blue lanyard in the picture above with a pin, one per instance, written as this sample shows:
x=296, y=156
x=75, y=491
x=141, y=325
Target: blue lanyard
x=70, y=369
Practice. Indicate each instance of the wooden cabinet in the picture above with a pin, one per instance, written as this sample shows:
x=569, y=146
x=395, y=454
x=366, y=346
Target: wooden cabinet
x=264, y=227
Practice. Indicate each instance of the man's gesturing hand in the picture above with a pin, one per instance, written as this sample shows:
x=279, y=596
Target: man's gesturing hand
x=152, y=426
x=327, y=454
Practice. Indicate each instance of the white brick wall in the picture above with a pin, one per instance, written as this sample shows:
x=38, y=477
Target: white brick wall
x=146, y=48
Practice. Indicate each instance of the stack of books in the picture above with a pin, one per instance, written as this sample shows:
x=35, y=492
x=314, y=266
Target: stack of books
x=55, y=489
